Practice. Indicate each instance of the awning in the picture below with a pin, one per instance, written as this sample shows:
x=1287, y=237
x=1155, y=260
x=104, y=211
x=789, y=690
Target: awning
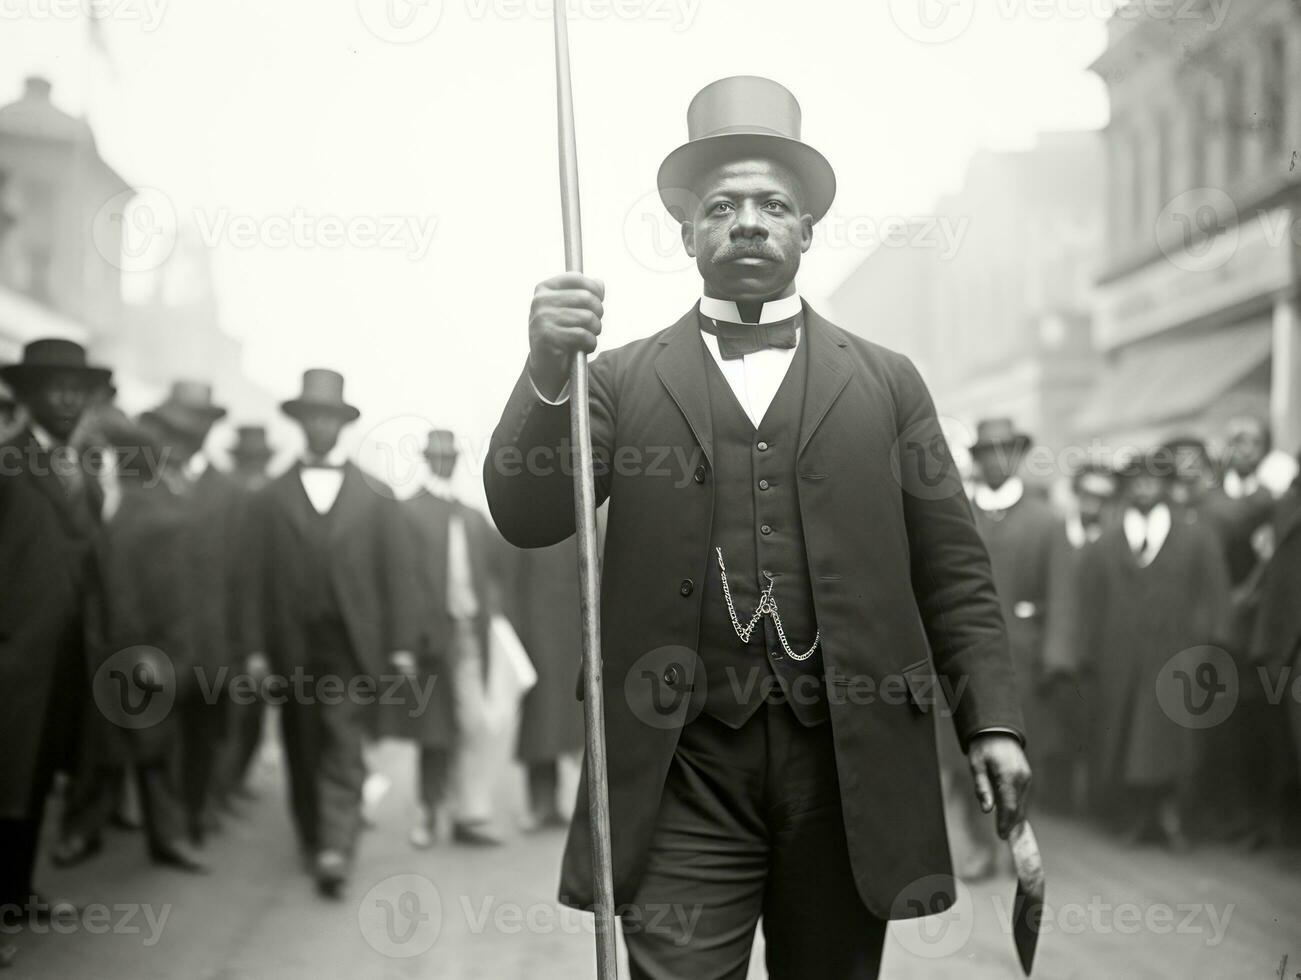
x=1167, y=380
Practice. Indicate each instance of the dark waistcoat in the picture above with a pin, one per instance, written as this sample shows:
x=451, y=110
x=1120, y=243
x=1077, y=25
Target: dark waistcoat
x=317, y=603
x=757, y=525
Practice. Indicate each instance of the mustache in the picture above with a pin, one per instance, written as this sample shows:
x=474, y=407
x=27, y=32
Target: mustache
x=748, y=250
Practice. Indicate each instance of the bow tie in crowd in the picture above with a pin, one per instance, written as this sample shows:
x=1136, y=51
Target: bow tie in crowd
x=735, y=340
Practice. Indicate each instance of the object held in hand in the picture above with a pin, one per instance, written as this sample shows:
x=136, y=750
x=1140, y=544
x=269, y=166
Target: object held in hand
x=1028, y=906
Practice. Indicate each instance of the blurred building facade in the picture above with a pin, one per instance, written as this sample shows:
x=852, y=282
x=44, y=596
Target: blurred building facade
x=998, y=320
x=63, y=212
x=1196, y=307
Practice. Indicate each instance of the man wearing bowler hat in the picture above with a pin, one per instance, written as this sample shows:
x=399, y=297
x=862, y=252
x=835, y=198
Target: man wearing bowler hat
x=49, y=513
x=336, y=613
x=789, y=560
x=183, y=422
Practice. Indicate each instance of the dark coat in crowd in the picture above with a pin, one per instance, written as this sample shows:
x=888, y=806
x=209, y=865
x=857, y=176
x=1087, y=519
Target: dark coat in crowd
x=426, y=518
x=544, y=602
x=367, y=564
x=218, y=569
x=1276, y=645
x=900, y=580
x=45, y=539
x=1132, y=620
x=1235, y=522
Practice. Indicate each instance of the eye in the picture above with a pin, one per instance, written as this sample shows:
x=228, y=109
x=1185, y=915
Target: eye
x=775, y=207
x=723, y=207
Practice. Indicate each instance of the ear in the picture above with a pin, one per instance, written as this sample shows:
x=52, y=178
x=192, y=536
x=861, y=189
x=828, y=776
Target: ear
x=806, y=232
x=689, y=237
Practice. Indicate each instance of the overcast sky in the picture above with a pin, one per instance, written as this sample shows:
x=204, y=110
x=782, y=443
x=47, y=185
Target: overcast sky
x=424, y=133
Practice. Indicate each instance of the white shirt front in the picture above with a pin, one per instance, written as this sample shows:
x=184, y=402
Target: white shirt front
x=1004, y=498
x=462, y=603
x=754, y=378
x=322, y=480
x=1147, y=532
x=1237, y=487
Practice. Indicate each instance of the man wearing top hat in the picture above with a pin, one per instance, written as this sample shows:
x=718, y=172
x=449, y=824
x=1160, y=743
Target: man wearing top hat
x=336, y=619
x=182, y=423
x=50, y=502
x=458, y=568
x=790, y=559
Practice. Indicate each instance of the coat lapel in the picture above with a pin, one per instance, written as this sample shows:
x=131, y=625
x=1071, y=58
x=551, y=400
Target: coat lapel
x=681, y=368
x=829, y=372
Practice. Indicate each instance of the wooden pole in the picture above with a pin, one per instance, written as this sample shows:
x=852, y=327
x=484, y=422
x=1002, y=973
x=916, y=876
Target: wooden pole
x=580, y=425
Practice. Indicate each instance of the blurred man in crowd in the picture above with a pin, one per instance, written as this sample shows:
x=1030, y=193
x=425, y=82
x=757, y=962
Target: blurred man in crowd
x=1152, y=588
x=9, y=422
x=336, y=616
x=1197, y=473
x=458, y=569
x=49, y=514
x=181, y=424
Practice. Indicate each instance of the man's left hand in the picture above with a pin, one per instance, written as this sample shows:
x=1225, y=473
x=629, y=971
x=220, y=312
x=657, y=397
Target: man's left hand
x=1002, y=776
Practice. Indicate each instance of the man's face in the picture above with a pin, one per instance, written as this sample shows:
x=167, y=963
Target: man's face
x=56, y=402
x=996, y=465
x=321, y=429
x=749, y=231
x=1248, y=444
x=1146, y=491
x=442, y=464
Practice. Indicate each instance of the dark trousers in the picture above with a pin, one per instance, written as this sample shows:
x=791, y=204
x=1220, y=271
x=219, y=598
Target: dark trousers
x=202, y=728
x=95, y=793
x=18, y=841
x=435, y=771
x=544, y=788
x=323, y=747
x=749, y=828
x=243, y=736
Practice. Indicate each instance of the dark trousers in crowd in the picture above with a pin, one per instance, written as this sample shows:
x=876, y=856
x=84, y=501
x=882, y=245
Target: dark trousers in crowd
x=202, y=727
x=324, y=746
x=544, y=789
x=18, y=843
x=243, y=738
x=435, y=775
x=96, y=794
x=750, y=827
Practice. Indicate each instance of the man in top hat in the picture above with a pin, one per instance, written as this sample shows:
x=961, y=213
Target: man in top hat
x=49, y=513
x=1152, y=602
x=9, y=423
x=336, y=612
x=251, y=454
x=458, y=574
x=182, y=423
x=786, y=531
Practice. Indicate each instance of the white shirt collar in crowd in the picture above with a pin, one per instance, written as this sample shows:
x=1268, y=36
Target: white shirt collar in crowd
x=322, y=479
x=441, y=487
x=196, y=466
x=44, y=439
x=1004, y=498
x=1238, y=487
x=1147, y=531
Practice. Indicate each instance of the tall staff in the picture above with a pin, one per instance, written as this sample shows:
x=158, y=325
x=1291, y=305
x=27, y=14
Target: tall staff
x=580, y=425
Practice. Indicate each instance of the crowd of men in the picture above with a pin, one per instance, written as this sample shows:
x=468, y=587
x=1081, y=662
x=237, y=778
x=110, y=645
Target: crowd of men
x=1156, y=633
x=1153, y=622
x=153, y=605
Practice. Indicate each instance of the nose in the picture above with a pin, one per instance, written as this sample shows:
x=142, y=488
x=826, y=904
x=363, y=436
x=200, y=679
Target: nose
x=749, y=223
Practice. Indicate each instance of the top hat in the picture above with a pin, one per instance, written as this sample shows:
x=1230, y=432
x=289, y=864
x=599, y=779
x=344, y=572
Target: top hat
x=251, y=444
x=189, y=408
x=442, y=442
x=997, y=434
x=1161, y=462
x=744, y=118
x=42, y=357
x=322, y=391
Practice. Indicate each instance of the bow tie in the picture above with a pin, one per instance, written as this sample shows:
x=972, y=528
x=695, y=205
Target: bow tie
x=735, y=340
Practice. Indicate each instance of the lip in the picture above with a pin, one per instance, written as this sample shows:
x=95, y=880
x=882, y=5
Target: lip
x=751, y=260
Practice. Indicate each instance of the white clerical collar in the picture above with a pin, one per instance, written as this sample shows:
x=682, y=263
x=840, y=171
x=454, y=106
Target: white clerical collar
x=1004, y=498
x=771, y=312
x=1237, y=487
x=334, y=459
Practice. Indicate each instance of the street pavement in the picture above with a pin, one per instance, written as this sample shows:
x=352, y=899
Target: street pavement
x=452, y=912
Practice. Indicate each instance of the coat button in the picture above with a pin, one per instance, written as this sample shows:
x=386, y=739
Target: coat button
x=700, y=473
x=687, y=587
x=762, y=447
x=671, y=676
x=766, y=529
x=764, y=484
